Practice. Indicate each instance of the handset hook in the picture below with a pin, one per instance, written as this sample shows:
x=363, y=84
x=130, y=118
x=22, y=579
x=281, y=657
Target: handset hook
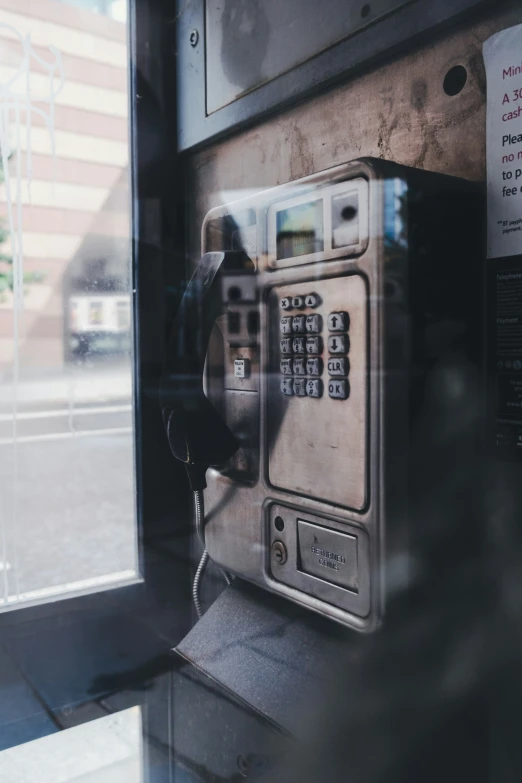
x=197, y=434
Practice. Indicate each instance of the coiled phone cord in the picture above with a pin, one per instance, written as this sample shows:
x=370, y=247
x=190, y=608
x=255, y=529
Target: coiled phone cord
x=199, y=512
x=199, y=509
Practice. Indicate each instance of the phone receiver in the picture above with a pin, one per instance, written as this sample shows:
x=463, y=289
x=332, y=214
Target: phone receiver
x=197, y=434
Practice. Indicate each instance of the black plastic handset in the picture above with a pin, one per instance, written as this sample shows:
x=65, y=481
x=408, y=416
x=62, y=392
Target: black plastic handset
x=197, y=434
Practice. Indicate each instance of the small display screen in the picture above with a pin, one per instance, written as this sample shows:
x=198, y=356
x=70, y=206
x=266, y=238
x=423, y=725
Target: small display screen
x=300, y=230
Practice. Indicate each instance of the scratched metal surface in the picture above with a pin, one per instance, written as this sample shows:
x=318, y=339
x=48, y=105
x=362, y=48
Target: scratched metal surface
x=398, y=111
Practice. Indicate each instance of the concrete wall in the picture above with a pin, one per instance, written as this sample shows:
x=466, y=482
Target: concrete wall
x=397, y=111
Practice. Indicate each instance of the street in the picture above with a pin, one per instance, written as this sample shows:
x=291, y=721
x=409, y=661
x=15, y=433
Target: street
x=67, y=484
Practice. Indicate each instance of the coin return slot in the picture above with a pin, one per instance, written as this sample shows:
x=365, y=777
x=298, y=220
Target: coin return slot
x=328, y=555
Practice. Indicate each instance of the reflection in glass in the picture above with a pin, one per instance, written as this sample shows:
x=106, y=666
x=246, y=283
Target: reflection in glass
x=300, y=230
x=67, y=494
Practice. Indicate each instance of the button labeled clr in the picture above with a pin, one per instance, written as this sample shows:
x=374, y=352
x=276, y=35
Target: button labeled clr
x=338, y=343
x=338, y=366
x=338, y=322
x=338, y=390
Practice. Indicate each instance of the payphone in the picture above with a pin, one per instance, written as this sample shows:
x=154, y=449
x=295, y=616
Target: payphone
x=304, y=364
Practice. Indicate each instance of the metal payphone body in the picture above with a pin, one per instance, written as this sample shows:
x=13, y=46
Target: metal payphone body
x=318, y=367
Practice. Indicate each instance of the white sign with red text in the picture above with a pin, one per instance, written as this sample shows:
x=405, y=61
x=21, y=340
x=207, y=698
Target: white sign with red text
x=503, y=60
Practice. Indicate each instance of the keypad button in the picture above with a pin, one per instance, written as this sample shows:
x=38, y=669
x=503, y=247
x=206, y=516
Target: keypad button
x=286, y=345
x=287, y=386
x=297, y=301
x=298, y=324
x=338, y=322
x=285, y=303
x=299, y=367
x=314, y=366
x=338, y=389
x=312, y=300
x=314, y=387
x=338, y=343
x=314, y=345
x=286, y=325
x=300, y=387
x=241, y=368
x=298, y=344
x=286, y=366
x=338, y=366
x=314, y=323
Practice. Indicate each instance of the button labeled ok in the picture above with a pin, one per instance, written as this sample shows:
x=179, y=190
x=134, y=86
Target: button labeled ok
x=338, y=390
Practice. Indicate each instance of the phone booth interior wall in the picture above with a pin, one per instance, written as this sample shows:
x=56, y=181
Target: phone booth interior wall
x=423, y=107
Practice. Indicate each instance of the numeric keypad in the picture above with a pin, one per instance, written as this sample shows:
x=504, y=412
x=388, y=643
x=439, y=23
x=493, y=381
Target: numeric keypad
x=301, y=344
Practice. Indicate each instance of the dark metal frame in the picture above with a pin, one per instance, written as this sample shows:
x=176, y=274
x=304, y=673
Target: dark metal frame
x=159, y=261
x=163, y=498
x=386, y=36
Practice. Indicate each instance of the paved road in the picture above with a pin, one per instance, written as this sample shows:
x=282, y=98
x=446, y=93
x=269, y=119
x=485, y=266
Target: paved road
x=66, y=483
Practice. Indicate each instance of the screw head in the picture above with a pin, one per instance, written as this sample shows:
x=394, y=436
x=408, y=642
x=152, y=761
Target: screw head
x=242, y=764
x=194, y=38
x=279, y=552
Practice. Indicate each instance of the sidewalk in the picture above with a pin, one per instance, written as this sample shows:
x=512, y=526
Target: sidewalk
x=67, y=386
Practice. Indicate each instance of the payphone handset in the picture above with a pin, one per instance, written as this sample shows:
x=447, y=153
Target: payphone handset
x=294, y=375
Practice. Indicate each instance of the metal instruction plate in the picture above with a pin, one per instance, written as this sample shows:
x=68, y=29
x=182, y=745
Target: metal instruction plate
x=328, y=554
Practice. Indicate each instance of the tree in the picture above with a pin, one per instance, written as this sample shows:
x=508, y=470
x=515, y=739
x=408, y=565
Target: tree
x=6, y=261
